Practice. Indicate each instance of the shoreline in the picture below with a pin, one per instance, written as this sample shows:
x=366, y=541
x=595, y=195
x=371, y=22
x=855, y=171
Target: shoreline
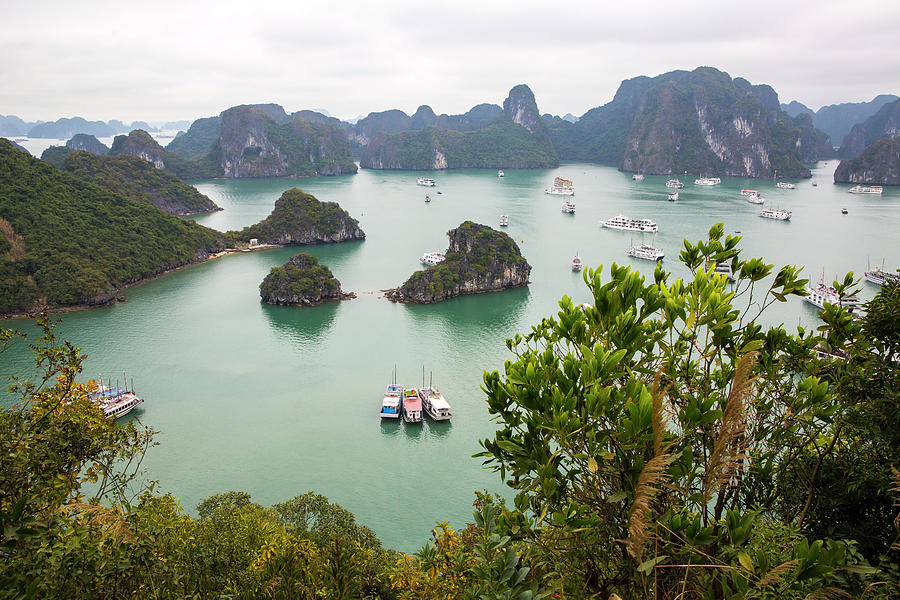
x=119, y=289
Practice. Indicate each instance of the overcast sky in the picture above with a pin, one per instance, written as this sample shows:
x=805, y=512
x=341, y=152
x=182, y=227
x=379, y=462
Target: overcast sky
x=161, y=60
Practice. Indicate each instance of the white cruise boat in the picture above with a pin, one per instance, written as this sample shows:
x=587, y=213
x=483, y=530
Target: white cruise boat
x=820, y=293
x=504, y=220
x=785, y=185
x=432, y=258
x=568, y=207
x=776, y=213
x=629, y=224
x=426, y=181
x=500, y=173
x=576, y=263
x=561, y=187
x=707, y=181
x=672, y=196
x=434, y=404
x=866, y=189
x=749, y=192
x=723, y=269
x=637, y=177
x=646, y=252
x=674, y=183
x=115, y=402
x=390, y=404
x=879, y=277
x=755, y=198
x=427, y=198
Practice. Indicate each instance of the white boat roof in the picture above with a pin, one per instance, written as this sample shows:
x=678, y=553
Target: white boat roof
x=438, y=403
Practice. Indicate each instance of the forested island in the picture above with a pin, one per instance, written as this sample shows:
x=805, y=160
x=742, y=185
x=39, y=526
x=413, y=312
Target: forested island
x=301, y=281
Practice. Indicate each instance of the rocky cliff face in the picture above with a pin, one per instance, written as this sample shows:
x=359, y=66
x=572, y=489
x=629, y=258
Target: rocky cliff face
x=301, y=281
x=478, y=260
x=88, y=143
x=879, y=164
x=141, y=144
x=884, y=124
x=707, y=123
x=261, y=142
x=199, y=139
x=300, y=218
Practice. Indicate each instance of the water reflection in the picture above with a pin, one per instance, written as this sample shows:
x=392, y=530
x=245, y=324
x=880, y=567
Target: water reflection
x=438, y=429
x=390, y=427
x=303, y=325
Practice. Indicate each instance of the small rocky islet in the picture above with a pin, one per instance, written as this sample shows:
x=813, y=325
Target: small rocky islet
x=301, y=281
x=479, y=259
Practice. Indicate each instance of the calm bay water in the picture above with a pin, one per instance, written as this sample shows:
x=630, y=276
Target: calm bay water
x=277, y=401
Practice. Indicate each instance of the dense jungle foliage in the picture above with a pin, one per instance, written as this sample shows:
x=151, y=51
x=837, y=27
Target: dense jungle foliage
x=659, y=442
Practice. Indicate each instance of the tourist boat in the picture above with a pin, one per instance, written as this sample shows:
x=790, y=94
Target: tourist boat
x=568, y=206
x=879, y=277
x=674, y=183
x=821, y=293
x=504, y=220
x=776, y=213
x=672, y=196
x=390, y=404
x=646, y=252
x=785, y=185
x=427, y=198
x=637, y=177
x=561, y=187
x=500, y=173
x=724, y=269
x=707, y=181
x=755, y=198
x=426, y=181
x=576, y=263
x=433, y=403
x=432, y=258
x=866, y=189
x=628, y=224
x=411, y=406
x=749, y=192
x=115, y=402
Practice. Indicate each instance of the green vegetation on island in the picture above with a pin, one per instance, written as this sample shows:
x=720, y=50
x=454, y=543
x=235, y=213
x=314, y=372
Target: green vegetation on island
x=658, y=442
x=67, y=241
x=299, y=218
x=879, y=164
x=301, y=281
x=140, y=143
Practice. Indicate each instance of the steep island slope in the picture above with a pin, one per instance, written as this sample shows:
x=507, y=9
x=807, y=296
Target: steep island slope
x=301, y=281
x=884, y=124
x=65, y=241
x=478, y=260
x=878, y=165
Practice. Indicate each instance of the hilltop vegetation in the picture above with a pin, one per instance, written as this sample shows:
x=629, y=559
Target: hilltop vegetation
x=67, y=241
x=301, y=281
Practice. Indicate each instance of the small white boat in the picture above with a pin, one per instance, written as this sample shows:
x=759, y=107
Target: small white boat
x=776, y=213
x=434, y=404
x=432, y=258
x=568, y=207
x=504, y=220
x=785, y=185
x=674, y=183
x=749, y=192
x=672, y=196
x=576, y=263
x=646, y=252
x=755, y=198
x=707, y=181
x=844, y=211
x=866, y=189
x=500, y=173
x=637, y=177
x=390, y=404
x=561, y=187
x=426, y=181
x=821, y=293
x=879, y=277
x=629, y=224
x=723, y=269
x=427, y=198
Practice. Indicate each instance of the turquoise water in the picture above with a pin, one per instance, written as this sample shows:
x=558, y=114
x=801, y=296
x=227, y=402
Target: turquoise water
x=277, y=401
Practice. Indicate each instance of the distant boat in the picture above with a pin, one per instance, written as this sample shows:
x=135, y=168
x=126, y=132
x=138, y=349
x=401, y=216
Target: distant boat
x=879, y=277
x=426, y=181
x=755, y=198
x=814, y=184
x=843, y=211
x=427, y=198
x=576, y=263
x=637, y=177
x=646, y=252
x=866, y=189
x=500, y=173
x=776, y=213
x=411, y=406
x=504, y=220
x=115, y=402
x=561, y=187
x=568, y=206
x=674, y=183
x=749, y=192
x=629, y=224
x=390, y=403
x=432, y=258
x=672, y=196
x=707, y=181
x=785, y=185
x=821, y=293
x=433, y=401
x=723, y=269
